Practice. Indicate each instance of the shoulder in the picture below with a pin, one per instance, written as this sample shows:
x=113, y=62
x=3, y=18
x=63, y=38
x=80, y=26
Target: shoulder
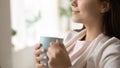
x=113, y=44
x=111, y=54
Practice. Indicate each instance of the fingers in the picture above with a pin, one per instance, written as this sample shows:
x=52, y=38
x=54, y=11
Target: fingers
x=40, y=65
x=38, y=46
x=51, y=59
x=39, y=51
x=53, y=49
x=40, y=58
x=60, y=44
x=57, y=41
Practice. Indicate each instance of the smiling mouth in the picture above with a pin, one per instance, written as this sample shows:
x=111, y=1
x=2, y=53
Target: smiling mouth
x=75, y=11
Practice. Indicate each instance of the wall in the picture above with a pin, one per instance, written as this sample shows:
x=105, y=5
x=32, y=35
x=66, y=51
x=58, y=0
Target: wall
x=24, y=58
x=5, y=42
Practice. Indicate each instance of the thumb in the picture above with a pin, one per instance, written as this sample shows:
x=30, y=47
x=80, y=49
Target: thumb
x=60, y=44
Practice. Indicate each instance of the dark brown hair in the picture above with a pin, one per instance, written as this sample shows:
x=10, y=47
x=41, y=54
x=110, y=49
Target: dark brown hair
x=111, y=19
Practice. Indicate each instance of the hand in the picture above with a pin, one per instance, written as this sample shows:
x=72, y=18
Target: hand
x=38, y=51
x=58, y=56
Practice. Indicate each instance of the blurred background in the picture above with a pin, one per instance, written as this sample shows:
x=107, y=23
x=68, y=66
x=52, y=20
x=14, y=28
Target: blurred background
x=22, y=22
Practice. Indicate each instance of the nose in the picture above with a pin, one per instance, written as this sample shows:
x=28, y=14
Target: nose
x=73, y=3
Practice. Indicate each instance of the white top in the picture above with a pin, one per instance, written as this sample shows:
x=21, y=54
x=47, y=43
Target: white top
x=77, y=47
x=77, y=50
x=102, y=52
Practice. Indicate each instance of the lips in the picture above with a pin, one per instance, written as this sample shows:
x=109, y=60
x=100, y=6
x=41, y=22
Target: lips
x=75, y=11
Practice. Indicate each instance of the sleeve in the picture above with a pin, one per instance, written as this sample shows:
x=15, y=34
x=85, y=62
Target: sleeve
x=111, y=56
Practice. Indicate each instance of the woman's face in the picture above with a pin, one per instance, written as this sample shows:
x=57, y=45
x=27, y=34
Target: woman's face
x=85, y=10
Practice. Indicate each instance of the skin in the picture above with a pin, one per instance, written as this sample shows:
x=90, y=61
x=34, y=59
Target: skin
x=90, y=13
x=57, y=54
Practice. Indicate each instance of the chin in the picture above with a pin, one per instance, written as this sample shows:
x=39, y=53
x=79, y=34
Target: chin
x=76, y=20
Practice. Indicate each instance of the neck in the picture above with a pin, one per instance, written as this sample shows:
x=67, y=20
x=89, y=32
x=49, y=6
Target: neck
x=92, y=32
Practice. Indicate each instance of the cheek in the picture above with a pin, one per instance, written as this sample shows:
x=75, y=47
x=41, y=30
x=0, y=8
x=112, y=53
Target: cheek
x=86, y=8
x=89, y=9
x=82, y=6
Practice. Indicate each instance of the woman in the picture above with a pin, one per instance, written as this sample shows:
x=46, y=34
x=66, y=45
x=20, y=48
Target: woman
x=96, y=46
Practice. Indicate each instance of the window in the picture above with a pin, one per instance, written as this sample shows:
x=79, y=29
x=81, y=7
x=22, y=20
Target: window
x=34, y=18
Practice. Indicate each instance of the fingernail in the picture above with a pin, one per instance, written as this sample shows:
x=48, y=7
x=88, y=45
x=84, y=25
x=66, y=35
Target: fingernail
x=45, y=64
x=40, y=44
x=51, y=43
x=45, y=57
x=42, y=50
